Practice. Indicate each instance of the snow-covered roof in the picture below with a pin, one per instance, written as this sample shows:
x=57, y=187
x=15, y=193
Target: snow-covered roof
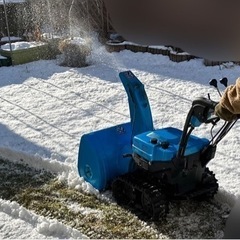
x=12, y=1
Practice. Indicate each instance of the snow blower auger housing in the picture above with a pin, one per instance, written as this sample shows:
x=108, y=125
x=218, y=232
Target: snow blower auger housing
x=146, y=167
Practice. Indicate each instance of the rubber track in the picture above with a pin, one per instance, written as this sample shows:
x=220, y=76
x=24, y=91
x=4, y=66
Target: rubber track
x=208, y=188
x=145, y=184
x=142, y=186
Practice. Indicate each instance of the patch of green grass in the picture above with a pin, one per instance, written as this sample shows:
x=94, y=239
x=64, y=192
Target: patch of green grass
x=101, y=220
x=15, y=177
x=41, y=192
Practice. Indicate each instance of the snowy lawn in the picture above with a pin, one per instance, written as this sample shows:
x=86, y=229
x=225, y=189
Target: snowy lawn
x=45, y=109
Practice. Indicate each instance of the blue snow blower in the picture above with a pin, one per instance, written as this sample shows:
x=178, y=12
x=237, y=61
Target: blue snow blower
x=147, y=167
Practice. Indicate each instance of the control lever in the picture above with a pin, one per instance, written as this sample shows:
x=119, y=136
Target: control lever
x=213, y=82
x=224, y=81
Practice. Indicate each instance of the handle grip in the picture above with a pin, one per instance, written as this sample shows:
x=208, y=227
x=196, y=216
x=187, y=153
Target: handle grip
x=202, y=109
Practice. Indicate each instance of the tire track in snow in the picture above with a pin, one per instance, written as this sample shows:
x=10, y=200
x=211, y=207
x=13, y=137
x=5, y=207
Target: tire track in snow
x=42, y=131
x=88, y=112
x=35, y=115
x=85, y=99
x=32, y=127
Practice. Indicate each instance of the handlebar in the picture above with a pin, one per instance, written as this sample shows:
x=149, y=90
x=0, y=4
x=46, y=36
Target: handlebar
x=202, y=111
x=205, y=102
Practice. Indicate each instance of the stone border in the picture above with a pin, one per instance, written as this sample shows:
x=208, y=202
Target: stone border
x=174, y=54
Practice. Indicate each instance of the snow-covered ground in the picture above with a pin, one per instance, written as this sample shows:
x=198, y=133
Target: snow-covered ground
x=12, y=1
x=46, y=108
x=21, y=45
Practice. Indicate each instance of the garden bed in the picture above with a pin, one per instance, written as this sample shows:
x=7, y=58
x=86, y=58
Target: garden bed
x=179, y=56
x=159, y=50
x=174, y=54
x=5, y=61
x=24, y=52
x=112, y=46
x=136, y=47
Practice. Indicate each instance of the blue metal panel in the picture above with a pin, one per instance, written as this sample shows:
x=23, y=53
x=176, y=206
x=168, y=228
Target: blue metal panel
x=163, y=144
x=100, y=158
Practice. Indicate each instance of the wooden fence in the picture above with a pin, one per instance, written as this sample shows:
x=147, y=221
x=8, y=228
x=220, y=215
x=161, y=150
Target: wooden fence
x=95, y=15
x=59, y=15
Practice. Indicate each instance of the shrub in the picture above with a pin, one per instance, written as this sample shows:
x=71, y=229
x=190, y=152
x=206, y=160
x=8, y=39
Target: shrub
x=74, y=54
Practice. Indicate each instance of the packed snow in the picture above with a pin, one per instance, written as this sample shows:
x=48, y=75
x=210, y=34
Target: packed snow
x=46, y=108
x=21, y=45
x=12, y=1
x=17, y=222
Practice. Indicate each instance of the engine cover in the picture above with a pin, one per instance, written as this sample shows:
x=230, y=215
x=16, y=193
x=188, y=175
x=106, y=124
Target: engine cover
x=162, y=145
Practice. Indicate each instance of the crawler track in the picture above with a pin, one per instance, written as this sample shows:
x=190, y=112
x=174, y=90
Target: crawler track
x=147, y=194
x=135, y=190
